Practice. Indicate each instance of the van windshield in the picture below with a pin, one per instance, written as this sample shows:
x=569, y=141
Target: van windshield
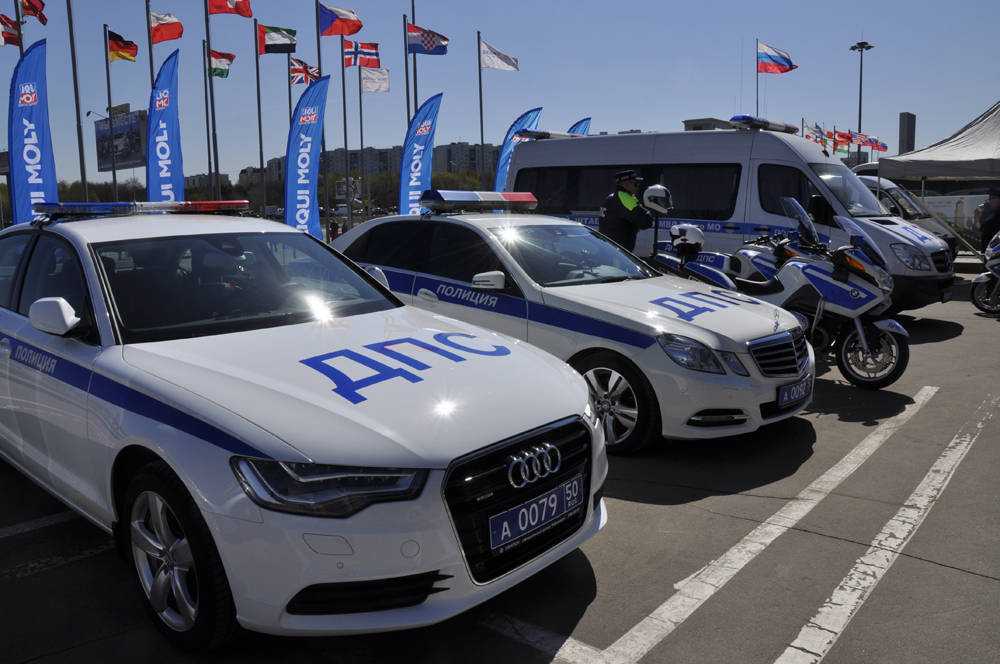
x=849, y=190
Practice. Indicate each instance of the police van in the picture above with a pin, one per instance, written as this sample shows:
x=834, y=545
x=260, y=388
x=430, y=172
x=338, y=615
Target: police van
x=730, y=183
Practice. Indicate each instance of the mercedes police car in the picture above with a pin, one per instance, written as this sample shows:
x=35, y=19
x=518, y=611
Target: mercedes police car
x=273, y=437
x=662, y=355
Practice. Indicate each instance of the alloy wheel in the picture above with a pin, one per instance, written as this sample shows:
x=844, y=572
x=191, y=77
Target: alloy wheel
x=876, y=365
x=616, y=403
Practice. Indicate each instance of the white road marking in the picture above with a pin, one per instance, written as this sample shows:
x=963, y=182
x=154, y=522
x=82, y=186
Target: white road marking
x=818, y=636
x=696, y=589
x=36, y=524
x=564, y=648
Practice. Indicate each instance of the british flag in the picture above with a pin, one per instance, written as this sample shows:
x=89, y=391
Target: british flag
x=300, y=72
x=364, y=54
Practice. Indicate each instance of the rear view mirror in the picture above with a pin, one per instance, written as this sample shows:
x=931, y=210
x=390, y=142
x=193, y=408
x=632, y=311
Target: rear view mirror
x=53, y=315
x=379, y=274
x=495, y=280
x=658, y=198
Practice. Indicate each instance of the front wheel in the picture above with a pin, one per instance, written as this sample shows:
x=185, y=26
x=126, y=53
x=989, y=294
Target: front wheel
x=890, y=353
x=625, y=402
x=986, y=296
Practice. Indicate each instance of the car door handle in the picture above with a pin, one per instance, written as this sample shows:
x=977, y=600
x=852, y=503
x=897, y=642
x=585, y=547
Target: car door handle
x=427, y=295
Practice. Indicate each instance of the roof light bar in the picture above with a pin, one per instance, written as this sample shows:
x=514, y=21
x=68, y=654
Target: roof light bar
x=66, y=210
x=443, y=200
x=752, y=122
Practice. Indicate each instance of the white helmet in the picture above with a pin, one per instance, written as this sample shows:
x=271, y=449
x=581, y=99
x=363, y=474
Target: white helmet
x=687, y=235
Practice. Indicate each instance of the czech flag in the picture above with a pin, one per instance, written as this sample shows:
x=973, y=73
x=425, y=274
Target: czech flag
x=335, y=21
x=120, y=48
x=771, y=60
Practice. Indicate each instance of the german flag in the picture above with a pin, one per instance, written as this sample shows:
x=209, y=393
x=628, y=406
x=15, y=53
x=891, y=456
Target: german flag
x=120, y=48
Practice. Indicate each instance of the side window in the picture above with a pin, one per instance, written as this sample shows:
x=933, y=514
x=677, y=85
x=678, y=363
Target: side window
x=774, y=182
x=459, y=253
x=702, y=191
x=11, y=251
x=54, y=271
x=550, y=186
x=395, y=244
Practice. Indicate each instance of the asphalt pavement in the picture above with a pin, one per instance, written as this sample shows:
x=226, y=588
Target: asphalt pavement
x=866, y=530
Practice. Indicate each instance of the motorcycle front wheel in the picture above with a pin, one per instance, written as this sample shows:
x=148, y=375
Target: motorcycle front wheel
x=890, y=353
x=986, y=296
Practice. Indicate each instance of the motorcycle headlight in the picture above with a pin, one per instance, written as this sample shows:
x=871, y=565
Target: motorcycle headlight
x=690, y=354
x=911, y=257
x=882, y=278
x=324, y=490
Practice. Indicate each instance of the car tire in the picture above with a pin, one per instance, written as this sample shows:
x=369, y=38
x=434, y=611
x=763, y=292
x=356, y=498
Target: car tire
x=194, y=570
x=604, y=372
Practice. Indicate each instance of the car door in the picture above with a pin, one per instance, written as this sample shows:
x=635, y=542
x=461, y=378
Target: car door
x=396, y=247
x=12, y=252
x=50, y=377
x=775, y=180
x=443, y=284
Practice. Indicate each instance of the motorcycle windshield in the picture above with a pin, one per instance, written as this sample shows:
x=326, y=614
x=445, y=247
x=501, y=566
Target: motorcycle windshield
x=794, y=210
x=863, y=242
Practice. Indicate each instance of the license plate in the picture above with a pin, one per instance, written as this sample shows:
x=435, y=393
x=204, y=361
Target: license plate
x=511, y=526
x=797, y=391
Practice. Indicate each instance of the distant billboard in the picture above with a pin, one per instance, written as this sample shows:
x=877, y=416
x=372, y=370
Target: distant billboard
x=129, y=141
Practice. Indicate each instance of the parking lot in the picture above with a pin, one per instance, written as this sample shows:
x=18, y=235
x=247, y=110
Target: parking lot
x=867, y=530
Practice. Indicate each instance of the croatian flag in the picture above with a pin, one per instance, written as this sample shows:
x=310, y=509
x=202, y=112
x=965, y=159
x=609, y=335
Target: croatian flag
x=337, y=21
x=771, y=60
x=425, y=42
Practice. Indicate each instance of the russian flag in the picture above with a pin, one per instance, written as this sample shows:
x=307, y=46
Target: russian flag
x=336, y=21
x=771, y=60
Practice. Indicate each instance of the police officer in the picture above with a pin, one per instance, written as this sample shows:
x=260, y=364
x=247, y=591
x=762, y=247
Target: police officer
x=624, y=216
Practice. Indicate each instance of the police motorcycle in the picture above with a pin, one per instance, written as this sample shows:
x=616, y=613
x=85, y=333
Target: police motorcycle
x=986, y=286
x=838, y=295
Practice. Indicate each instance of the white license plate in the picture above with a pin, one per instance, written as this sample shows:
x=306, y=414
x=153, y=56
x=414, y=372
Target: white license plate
x=512, y=525
x=798, y=391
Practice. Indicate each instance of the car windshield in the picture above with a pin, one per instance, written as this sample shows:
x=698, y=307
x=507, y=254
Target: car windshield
x=908, y=203
x=849, y=190
x=196, y=285
x=569, y=255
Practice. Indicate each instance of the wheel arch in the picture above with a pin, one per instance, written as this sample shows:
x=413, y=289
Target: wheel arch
x=127, y=462
x=581, y=355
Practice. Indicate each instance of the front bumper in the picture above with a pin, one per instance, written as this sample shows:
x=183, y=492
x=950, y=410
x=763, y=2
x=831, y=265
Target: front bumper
x=269, y=563
x=915, y=292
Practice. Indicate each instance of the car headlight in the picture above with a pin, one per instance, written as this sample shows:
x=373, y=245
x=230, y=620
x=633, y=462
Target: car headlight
x=911, y=257
x=690, y=354
x=323, y=490
x=882, y=278
x=734, y=363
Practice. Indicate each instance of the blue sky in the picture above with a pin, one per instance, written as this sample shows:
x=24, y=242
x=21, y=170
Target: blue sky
x=644, y=64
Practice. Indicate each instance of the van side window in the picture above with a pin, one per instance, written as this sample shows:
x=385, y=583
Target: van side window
x=395, y=244
x=702, y=191
x=774, y=182
x=549, y=185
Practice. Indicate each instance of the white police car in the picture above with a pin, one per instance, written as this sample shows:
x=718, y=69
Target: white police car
x=273, y=437
x=661, y=354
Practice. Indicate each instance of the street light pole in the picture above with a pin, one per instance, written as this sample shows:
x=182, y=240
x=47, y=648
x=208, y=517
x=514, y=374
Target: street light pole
x=861, y=47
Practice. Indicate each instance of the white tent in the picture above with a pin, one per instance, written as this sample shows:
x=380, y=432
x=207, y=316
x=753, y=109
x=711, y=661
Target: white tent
x=972, y=152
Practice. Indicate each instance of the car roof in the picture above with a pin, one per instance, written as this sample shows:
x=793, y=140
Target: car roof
x=876, y=182
x=135, y=227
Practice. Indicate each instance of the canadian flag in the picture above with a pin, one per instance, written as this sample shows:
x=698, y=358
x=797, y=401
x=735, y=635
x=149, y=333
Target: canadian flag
x=165, y=27
x=241, y=7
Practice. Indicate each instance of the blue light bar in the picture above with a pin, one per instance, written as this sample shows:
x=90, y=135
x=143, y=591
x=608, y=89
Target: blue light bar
x=442, y=200
x=752, y=122
x=63, y=210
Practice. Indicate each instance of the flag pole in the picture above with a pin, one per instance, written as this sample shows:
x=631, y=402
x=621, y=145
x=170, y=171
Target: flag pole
x=347, y=154
x=479, y=71
x=149, y=44
x=319, y=65
x=416, y=96
x=260, y=124
x=406, y=70
x=288, y=59
x=76, y=97
x=111, y=118
x=361, y=134
x=206, y=66
x=20, y=25
x=756, y=50
x=216, y=177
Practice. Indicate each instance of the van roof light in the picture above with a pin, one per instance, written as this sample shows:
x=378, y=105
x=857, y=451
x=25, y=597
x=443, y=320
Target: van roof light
x=445, y=200
x=77, y=211
x=751, y=122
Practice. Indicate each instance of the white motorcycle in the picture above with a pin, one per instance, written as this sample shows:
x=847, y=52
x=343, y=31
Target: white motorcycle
x=986, y=286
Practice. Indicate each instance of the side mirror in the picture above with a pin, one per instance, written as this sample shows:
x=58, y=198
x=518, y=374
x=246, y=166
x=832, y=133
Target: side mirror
x=658, y=198
x=495, y=280
x=379, y=275
x=53, y=315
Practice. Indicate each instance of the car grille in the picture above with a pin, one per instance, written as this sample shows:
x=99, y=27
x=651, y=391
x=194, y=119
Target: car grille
x=476, y=487
x=782, y=354
x=942, y=261
x=364, y=596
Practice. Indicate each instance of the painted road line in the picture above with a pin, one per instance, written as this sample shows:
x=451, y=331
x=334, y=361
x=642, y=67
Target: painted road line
x=36, y=524
x=819, y=635
x=696, y=589
x=564, y=648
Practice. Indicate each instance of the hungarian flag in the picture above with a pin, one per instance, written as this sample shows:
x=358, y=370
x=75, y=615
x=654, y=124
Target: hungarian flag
x=337, y=21
x=10, y=31
x=120, y=48
x=364, y=54
x=34, y=8
x=241, y=7
x=165, y=27
x=300, y=72
x=219, y=63
x=271, y=39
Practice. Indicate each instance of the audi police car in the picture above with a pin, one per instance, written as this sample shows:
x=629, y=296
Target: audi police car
x=661, y=355
x=273, y=437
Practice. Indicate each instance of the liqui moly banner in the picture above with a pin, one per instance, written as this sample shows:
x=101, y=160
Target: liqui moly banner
x=580, y=127
x=527, y=121
x=305, y=138
x=164, y=163
x=32, y=165
x=418, y=156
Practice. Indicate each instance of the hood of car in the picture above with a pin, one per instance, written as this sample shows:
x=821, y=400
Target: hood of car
x=895, y=229
x=398, y=388
x=723, y=319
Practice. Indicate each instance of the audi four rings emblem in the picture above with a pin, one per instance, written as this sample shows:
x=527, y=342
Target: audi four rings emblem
x=530, y=465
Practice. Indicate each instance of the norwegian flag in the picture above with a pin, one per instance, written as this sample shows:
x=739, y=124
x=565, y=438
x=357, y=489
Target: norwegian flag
x=300, y=72
x=364, y=54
